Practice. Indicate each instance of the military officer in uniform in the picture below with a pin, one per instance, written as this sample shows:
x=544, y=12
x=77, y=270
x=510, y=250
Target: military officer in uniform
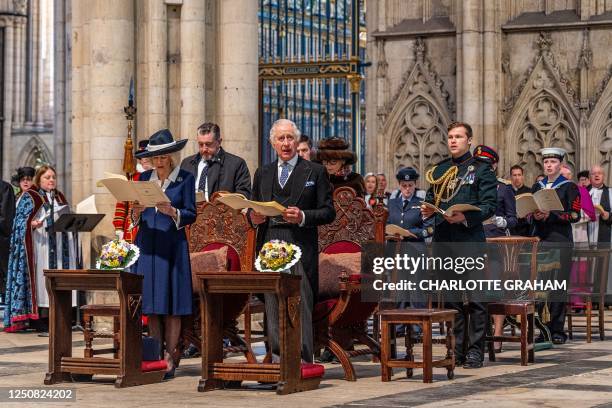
x=555, y=226
x=405, y=209
x=504, y=219
x=463, y=179
x=505, y=215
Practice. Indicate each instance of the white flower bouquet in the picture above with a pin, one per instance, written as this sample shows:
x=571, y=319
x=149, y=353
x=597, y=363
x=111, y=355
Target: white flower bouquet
x=117, y=254
x=277, y=256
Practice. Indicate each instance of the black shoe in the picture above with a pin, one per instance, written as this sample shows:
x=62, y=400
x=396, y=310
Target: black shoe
x=191, y=352
x=326, y=357
x=559, y=338
x=459, y=361
x=473, y=360
x=540, y=339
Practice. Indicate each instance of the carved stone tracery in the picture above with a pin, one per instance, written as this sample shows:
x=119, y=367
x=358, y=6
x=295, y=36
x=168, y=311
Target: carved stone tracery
x=544, y=113
x=418, y=116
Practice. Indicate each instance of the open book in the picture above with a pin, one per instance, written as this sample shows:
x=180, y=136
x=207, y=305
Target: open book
x=543, y=200
x=392, y=229
x=147, y=193
x=238, y=202
x=452, y=209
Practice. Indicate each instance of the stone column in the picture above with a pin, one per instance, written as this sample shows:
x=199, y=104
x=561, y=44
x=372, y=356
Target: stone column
x=193, y=70
x=237, y=83
x=152, y=78
x=19, y=77
x=491, y=78
x=9, y=90
x=61, y=88
x=470, y=58
x=104, y=65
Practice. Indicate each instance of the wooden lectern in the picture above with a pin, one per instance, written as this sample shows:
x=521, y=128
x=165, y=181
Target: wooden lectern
x=287, y=374
x=127, y=368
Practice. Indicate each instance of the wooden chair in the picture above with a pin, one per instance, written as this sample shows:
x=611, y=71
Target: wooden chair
x=342, y=320
x=217, y=226
x=593, y=289
x=510, y=249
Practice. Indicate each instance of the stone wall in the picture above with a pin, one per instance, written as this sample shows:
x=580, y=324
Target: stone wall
x=525, y=74
x=27, y=100
x=191, y=60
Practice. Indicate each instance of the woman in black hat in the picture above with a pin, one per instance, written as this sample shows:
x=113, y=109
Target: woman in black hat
x=24, y=179
x=333, y=153
x=164, y=251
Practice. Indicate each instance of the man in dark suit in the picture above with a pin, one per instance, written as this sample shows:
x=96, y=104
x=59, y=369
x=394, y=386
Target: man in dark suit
x=304, y=189
x=7, y=213
x=215, y=169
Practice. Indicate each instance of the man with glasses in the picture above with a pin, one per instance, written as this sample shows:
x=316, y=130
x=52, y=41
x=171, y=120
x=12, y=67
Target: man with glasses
x=214, y=168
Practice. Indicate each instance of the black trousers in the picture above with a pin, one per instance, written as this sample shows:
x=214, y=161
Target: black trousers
x=476, y=319
x=556, y=325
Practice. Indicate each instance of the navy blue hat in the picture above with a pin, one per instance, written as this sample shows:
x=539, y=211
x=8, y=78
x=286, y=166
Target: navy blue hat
x=161, y=142
x=407, y=174
x=486, y=153
x=142, y=145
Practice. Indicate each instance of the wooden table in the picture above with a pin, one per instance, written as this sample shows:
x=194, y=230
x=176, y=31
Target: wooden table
x=287, y=374
x=424, y=318
x=127, y=367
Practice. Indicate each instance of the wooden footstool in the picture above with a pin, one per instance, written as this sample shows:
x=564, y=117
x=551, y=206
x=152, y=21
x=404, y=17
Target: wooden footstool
x=424, y=318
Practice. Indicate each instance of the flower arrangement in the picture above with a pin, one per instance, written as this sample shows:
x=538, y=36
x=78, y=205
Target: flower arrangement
x=117, y=254
x=277, y=256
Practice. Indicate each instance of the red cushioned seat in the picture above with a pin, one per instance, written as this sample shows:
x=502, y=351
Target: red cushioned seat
x=342, y=247
x=309, y=370
x=158, y=365
x=324, y=308
x=233, y=258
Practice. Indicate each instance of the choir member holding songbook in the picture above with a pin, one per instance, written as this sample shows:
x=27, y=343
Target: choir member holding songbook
x=556, y=225
x=164, y=251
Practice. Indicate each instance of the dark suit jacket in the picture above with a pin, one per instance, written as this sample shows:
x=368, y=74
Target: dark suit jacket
x=7, y=211
x=311, y=192
x=228, y=172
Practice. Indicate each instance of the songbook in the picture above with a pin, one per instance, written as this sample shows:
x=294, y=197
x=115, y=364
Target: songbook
x=392, y=229
x=238, y=202
x=452, y=209
x=543, y=200
x=87, y=206
x=147, y=193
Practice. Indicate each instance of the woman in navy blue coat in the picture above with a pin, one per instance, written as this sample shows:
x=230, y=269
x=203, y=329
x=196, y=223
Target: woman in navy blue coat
x=164, y=251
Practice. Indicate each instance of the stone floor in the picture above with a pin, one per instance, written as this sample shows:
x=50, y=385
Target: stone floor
x=574, y=375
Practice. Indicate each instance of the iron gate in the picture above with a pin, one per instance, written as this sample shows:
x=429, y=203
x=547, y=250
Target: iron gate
x=310, y=63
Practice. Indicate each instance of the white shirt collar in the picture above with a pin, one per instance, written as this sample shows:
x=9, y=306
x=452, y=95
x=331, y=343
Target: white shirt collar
x=172, y=176
x=292, y=162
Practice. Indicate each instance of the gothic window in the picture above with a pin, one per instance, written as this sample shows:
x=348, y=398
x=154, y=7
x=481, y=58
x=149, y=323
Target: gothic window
x=605, y=147
x=545, y=124
x=420, y=141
